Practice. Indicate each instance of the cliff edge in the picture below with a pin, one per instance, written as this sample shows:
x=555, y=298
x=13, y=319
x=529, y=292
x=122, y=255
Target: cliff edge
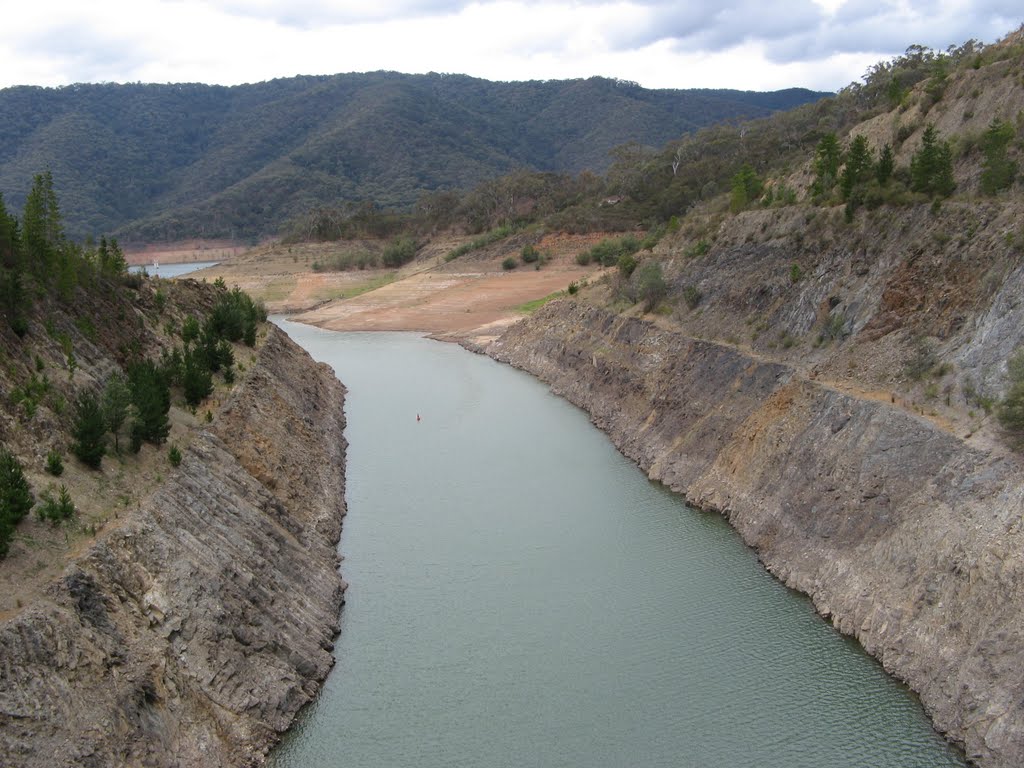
x=193, y=631
x=903, y=534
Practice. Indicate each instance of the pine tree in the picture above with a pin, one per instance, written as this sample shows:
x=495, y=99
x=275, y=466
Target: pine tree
x=746, y=187
x=152, y=400
x=998, y=171
x=827, y=158
x=116, y=402
x=859, y=162
x=886, y=165
x=42, y=233
x=90, y=431
x=15, y=497
x=931, y=167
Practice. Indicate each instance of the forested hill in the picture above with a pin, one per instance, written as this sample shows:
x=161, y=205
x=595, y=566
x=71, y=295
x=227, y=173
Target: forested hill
x=157, y=162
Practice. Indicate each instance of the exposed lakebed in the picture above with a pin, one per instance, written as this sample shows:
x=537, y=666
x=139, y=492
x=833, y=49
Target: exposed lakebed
x=522, y=595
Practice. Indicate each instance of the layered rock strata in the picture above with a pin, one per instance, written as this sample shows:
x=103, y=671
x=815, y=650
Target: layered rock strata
x=901, y=534
x=193, y=632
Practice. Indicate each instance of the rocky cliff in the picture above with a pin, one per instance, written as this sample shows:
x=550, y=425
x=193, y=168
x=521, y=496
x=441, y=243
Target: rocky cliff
x=192, y=632
x=903, y=534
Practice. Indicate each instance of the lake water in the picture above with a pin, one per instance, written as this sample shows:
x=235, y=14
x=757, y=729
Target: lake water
x=521, y=595
x=173, y=270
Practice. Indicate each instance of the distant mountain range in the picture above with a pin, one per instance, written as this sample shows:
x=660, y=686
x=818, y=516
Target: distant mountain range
x=162, y=162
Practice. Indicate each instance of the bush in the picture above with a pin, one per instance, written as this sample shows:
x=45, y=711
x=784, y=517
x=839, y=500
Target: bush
x=650, y=284
x=174, y=456
x=530, y=254
x=627, y=265
x=398, y=252
x=509, y=263
x=692, y=296
x=54, y=463
x=922, y=361
x=56, y=510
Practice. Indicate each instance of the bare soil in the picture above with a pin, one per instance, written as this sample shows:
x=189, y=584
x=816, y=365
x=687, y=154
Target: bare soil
x=468, y=297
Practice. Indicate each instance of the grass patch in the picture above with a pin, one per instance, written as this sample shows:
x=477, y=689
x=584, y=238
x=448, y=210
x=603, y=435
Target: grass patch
x=532, y=306
x=375, y=282
x=276, y=290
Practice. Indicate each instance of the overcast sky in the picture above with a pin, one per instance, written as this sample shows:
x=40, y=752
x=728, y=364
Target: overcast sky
x=746, y=44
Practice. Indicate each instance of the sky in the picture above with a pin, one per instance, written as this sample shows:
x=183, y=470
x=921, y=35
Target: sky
x=744, y=44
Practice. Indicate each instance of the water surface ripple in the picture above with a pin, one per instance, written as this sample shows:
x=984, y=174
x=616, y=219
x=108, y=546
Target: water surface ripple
x=521, y=595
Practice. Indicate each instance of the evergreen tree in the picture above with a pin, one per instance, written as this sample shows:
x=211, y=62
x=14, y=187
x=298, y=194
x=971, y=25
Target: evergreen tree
x=196, y=379
x=931, y=167
x=886, y=165
x=15, y=497
x=998, y=171
x=10, y=256
x=42, y=234
x=746, y=187
x=14, y=300
x=152, y=400
x=116, y=403
x=89, y=431
x=827, y=158
x=859, y=163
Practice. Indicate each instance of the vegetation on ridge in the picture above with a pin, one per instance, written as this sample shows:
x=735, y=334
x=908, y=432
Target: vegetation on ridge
x=92, y=353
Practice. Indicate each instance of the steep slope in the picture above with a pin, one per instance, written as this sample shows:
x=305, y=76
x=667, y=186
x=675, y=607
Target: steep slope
x=166, y=161
x=824, y=375
x=192, y=632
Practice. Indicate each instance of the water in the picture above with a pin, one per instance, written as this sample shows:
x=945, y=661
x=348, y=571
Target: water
x=173, y=270
x=521, y=595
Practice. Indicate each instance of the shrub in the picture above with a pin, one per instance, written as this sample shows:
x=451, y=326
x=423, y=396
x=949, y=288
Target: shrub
x=627, y=264
x=795, y=273
x=174, y=456
x=190, y=329
x=530, y=254
x=54, y=463
x=922, y=361
x=509, y=263
x=398, y=252
x=56, y=510
x=692, y=296
x=650, y=284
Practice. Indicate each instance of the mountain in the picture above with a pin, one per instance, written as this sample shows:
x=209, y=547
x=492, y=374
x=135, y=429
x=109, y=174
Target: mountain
x=158, y=162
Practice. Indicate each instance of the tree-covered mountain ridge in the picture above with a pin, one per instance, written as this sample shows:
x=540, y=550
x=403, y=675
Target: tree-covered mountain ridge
x=160, y=162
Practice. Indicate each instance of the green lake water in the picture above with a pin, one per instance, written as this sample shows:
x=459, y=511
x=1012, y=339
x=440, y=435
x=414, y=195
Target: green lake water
x=521, y=595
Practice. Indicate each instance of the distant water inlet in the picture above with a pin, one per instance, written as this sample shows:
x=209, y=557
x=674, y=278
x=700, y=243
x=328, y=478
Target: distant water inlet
x=521, y=595
x=172, y=270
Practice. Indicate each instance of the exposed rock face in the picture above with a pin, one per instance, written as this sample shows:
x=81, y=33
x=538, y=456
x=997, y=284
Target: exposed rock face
x=904, y=536
x=193, y=633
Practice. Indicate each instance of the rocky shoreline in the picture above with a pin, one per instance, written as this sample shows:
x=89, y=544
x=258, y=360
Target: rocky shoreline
x=193, y=632
x=903, y=536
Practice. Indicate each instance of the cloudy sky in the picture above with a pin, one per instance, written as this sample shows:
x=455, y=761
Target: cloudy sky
x=748, y=44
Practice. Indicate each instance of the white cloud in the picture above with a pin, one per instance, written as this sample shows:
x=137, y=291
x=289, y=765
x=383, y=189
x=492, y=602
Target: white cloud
x=659, y=43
